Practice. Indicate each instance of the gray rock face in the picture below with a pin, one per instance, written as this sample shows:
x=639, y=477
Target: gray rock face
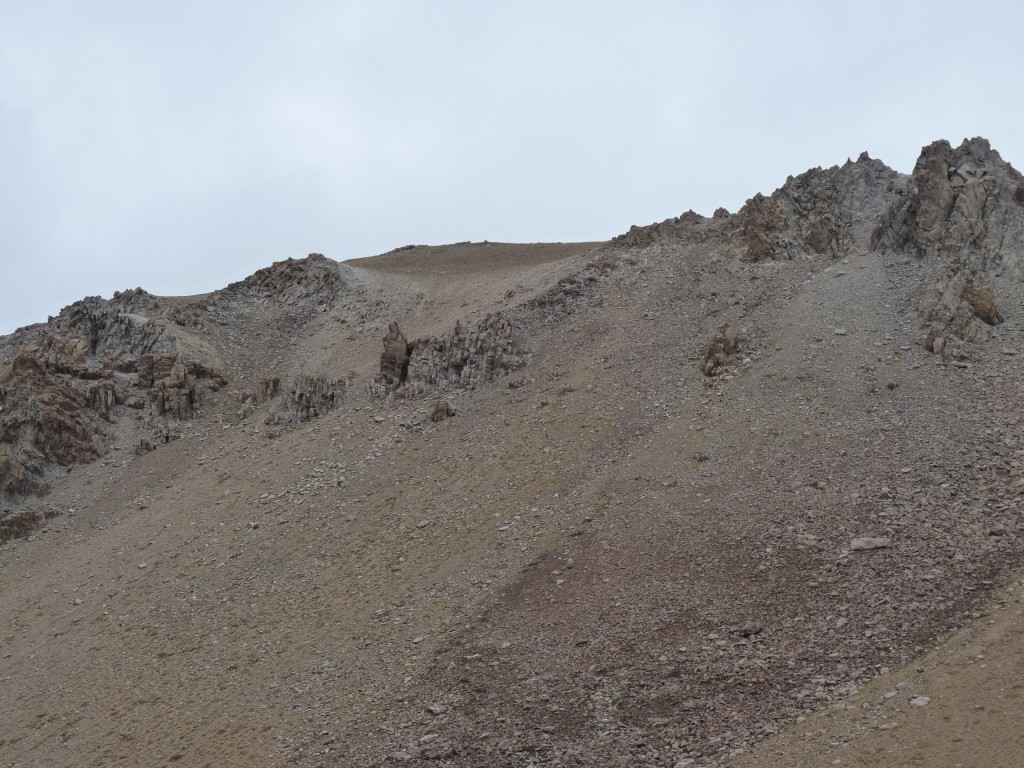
x=958, y=306
x=47, y=419
x=965, y=213
x=394, y=360
x=466, y=357
x=67, y=379
x=308, y=397
x=460, y=358
x=176, y=385
x=302, y=284
x=821, y=212
x=965, y=208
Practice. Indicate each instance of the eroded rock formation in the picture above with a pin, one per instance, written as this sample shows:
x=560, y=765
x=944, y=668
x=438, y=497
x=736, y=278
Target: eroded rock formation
x=719, y=355
x=311, y=283
x=460, y=358
x=177, y=385
x=46, y=419
x=309, y=397
x=394, y=360
x=821, y=212
x=960, y=306
x=965, y=206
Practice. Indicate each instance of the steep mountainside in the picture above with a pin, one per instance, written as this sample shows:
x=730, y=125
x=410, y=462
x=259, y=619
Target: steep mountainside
x=630, y=503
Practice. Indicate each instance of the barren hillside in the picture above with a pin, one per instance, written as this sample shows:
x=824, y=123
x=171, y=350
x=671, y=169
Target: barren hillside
x=642, y=503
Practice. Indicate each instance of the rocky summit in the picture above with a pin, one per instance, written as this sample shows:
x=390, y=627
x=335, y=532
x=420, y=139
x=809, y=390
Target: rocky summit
x=708, y=493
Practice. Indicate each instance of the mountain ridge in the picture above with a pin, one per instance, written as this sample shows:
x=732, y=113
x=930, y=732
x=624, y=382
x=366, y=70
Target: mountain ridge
x=553, y=504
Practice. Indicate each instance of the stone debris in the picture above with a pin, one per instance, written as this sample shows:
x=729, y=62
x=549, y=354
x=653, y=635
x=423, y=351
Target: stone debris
x=863, y=543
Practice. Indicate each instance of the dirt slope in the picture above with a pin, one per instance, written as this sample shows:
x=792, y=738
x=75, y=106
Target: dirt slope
x=598, y=554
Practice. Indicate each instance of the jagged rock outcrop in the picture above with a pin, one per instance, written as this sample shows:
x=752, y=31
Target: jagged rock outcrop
x=965, y=207
x=467, y=357
x=47, y=419
x=964, y=212
x=309, y=397
x=460, y=358
x=719, y=355
x=689, y=226
x=960, y=305
x=394, y=360
x=176, y=385
x=55, y=397
x=821, y=212
x=265, y=390
x=301, y=285
x=102, y=333
x=102, y=397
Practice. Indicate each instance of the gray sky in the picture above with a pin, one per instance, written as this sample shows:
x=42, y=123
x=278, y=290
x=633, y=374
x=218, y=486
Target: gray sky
x=180, y=146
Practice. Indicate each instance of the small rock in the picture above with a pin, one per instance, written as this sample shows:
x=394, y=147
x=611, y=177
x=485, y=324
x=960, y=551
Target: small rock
x=840, y=331
x=752, y=629
x=862, y=543
x=920, y=701
x=806, y=541
x=437, y=709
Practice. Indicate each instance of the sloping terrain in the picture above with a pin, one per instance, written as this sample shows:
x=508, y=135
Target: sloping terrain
x=633, y=503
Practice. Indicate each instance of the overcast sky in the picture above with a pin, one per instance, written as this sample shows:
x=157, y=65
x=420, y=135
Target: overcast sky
x=181, y=145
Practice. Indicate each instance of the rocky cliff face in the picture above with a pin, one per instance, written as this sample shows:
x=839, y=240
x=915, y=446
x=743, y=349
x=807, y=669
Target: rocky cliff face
x=820, y=213
x=964, y=208
x=97, y=361
x=722, y=486
x=138, y=355
x=963, y=214
x=463, y=357
x=46, y=420
x=299, y=286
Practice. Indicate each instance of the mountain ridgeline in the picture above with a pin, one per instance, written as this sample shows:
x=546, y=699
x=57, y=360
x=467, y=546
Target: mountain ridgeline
x=635, y=502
